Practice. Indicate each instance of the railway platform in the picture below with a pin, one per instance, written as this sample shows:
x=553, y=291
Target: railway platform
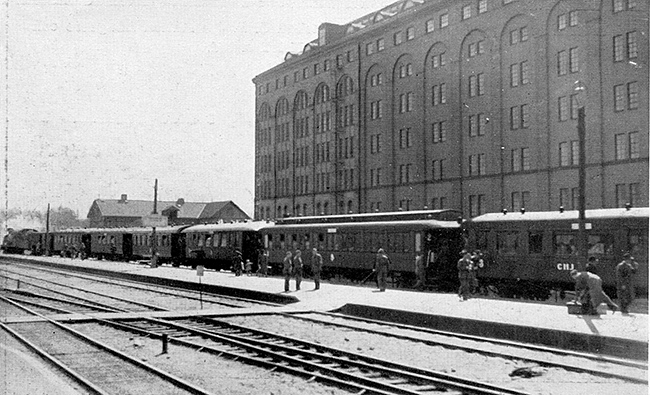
x=612, y=334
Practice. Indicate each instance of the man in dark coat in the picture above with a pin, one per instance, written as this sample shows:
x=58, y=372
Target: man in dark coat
x=297, y=268
x=286, y=270
x=464, y=267
x=382, y=264
x=625, y=281
x=316, y=267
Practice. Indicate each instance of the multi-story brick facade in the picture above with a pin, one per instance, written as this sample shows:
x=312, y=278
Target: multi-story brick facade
x=458, y=104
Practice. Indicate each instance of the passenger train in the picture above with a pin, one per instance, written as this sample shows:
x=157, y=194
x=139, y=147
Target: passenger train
x=525, y=254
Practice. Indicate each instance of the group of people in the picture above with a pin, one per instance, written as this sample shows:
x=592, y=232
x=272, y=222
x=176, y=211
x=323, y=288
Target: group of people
x=292, y=265
x=589, y=286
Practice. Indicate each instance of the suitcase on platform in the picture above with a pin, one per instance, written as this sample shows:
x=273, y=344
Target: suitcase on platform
x=574, y=307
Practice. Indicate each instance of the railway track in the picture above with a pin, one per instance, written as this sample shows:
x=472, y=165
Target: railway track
x=598, y=365
x=161, y=291
x=307, y=359
x=99, y=368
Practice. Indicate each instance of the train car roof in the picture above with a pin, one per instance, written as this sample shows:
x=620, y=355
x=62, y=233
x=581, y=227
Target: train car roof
x=430, y=223
x=141, y=229
x=606, y=213
x=228, y=227
x=442, y=215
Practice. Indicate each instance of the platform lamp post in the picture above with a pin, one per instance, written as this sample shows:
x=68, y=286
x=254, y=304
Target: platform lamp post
x=154, y=241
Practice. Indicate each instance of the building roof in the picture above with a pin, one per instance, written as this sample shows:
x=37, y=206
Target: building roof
x=140, y=208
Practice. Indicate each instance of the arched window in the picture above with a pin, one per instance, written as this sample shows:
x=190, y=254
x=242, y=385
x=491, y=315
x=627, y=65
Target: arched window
x=322, y=94
x=345, y=87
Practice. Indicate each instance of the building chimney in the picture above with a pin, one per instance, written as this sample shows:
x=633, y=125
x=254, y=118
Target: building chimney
x=180, y=202
x=122, y=198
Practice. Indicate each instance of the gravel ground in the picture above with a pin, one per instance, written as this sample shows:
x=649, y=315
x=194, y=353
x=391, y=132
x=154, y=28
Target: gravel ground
x=215, y=374
x=475, y=366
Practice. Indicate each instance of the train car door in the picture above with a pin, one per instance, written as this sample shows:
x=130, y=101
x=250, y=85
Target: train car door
x=127, y=245
x=86, y=240
x=178, y=247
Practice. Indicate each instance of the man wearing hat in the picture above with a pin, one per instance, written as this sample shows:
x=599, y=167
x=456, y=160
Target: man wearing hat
x=625, y=281
x=382, y=264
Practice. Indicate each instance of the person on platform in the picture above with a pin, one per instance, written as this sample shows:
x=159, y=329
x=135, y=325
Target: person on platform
x=248, y=267
x=589, y=283
x=420, y=272
x=297, y=268
x=592, y=265
x=625, y=281
x=237, y=263
x=264, y=264
x=477, y=263
x=286, y=270
x=464, y=267
x=316, y=267
x=382, y=265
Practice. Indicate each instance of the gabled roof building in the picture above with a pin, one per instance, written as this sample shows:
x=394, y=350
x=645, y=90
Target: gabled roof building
x=471, y=105
x=128, y=213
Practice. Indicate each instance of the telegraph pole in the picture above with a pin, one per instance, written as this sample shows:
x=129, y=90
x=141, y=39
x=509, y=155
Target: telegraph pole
x=582, y=161
x=47, y=231
x=154, y=241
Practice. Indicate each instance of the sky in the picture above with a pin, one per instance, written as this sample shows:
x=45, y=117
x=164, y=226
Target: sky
x=100, y=98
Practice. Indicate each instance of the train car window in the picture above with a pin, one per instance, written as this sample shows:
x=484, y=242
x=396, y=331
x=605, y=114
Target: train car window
x=282, y=243
x=418, y=242
x=306, y=241
x=321, y=240
x=507, y=242
x=600, y=244
x=564, y=244
x=337, y=242
x=329, y=241
x=638, y=244
x=295, y=245
x=535, y=242
x=223, y=239
x=238, y=239
x=350, y=242
x=200, y=241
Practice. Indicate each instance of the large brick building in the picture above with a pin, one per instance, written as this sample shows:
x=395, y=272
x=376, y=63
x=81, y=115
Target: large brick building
x=458, y=104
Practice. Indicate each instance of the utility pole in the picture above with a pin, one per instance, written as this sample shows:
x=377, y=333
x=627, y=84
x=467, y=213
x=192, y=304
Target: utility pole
x=47, y=231
x=582, y=161
x=154, y=241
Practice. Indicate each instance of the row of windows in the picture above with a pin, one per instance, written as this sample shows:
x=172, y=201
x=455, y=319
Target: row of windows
x=347, y=241
x=220, y=239
x=562, y=244
x=564, y=21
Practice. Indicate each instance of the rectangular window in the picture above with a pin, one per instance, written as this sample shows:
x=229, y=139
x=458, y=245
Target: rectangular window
x=466, y=12
x=326, y=65
x=480, y=88
x=634, y=145
x=575, y=152
x=562, y=63
x=632, y=96
x=619, y=48
x=515, y=160
x=410, y=33
x=563, y=108
x=632, y=50
x=524, y=33
x=620, y=146
x=561, y=21
x=524, y=72
x=380, y=44
x=370, y=48
x=514, y=37
x=619, y=5
x=524, y=116
x=515, y=119
x=619, y=97
x=472, y=125
x=564, y=154
x=439, y=132
x=438, y=169
x=514, y=75
x=430, y=25
x=444, y=20
x=573, y=60
x=573, y=18
x=398, y=38
x=574, y=106
x=482, y=6
x=525, y=159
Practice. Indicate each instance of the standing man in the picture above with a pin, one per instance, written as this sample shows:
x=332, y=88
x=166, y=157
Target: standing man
x=625, y=281
x=464, y=275
x=286, y=270
x=316, y=267
x=297, y=268
x=420, y=271
x=264, y=263
x=382, y=264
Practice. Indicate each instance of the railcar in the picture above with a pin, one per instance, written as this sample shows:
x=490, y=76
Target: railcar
x=215, y=245
x=18, y=241
x=528, y=254
x=349, y=243
x=169, y=242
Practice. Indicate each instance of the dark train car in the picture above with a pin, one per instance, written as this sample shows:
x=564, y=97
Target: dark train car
x=67, y=242
x=112, y=243
x=19, y=241
x=349, y=243
x=527, y=254
x=169, y=242
x=214, y=245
